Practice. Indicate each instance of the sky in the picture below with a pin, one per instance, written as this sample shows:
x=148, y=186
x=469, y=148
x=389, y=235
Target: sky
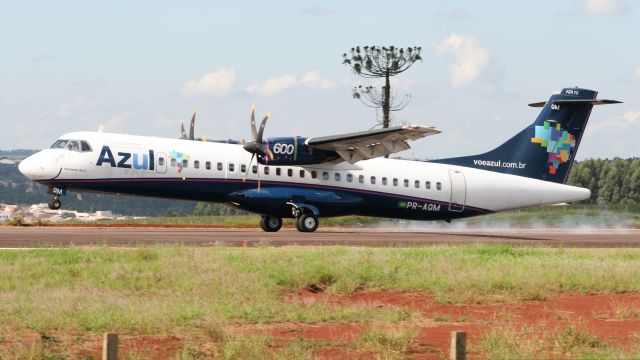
x=137, y=67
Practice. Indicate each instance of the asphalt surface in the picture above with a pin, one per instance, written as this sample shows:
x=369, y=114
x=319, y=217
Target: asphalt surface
x=29, y=237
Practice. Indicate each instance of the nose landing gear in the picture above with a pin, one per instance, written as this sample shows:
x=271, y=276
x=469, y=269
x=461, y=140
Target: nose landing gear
x=55, y=203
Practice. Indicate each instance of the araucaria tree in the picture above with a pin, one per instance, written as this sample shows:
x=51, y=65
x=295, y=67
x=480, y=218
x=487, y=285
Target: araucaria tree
x=381, y=62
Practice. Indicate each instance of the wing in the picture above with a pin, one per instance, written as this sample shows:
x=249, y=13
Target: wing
x=363, y=145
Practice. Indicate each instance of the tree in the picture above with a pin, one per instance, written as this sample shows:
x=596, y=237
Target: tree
x=381, y=62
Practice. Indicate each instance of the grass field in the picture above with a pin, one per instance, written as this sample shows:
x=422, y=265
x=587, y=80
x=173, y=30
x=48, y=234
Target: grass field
x=199, y=292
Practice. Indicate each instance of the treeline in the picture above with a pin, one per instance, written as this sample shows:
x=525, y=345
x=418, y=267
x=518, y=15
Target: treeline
x=615, y=182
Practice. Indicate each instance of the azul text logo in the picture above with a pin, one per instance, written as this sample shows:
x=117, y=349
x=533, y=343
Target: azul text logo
x=127, y=160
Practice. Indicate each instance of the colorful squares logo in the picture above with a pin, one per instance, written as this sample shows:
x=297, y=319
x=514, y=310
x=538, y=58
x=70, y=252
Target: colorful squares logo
x=558, y=143
x=179, y=157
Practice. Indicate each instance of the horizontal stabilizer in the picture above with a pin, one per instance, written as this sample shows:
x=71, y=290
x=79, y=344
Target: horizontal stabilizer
x=577, y=101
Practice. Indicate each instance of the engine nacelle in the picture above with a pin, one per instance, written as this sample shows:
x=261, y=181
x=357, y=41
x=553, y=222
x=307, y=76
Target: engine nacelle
x=293, y=151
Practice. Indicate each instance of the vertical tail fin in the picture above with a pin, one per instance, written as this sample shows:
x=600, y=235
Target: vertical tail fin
x=545, y=149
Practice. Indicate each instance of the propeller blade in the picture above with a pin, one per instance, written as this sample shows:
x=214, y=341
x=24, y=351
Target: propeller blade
x=193, y=126
x=183, y=133
x=242, y=142
x=253, y=122
x=258, y=164
x=261, y=131
x=248, y=168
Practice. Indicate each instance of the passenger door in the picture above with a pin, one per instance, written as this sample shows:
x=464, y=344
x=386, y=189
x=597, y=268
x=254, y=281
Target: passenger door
x=458, y=191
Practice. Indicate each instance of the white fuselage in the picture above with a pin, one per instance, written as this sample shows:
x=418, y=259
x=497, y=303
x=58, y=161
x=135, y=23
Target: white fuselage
x=149, y=166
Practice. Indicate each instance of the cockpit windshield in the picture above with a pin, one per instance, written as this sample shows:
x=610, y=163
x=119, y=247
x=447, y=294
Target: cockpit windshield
x=73, y=145
x=59, y=144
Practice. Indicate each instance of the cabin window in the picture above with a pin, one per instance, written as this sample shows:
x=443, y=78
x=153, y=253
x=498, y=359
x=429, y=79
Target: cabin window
x=302, y=173
x=427, y=185
x=439, y=185
x=173, y=162
x=384, y=181
x=278, y=171
x=361, y=179
x=207, y=165
x=373, y=180
x=232, y=167
x=243, y=168
x=395, y=182
x=337, y=176
x=266, y=170
x=314, y=174
x=349, y=178
x=254, y=169
x=406, y=182
x=160, y=161
x=84, y=146
x=290, y=172
x=196, y=164
x=185, y=164
x=325, y=175
x=219, y=166
x=417, y=184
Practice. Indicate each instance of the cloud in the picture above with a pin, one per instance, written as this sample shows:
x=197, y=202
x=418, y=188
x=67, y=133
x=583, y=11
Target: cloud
x=77, y=106
x=459, y=13
x=42, y=58
x=93, y=83
x=272, y=86
x=316, y=80
x=117, y=122
x=636, y=74
x=603, y=7
x=471, y=62
x=217, y=83
x=318, y=10
x=630, y=119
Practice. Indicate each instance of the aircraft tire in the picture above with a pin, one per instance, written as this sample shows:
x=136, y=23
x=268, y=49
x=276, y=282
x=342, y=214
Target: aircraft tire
x=307, y=222
x=270, y=223
x=55, y=204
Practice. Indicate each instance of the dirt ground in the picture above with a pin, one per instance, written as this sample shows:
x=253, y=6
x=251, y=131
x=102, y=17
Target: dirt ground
x=612, y=318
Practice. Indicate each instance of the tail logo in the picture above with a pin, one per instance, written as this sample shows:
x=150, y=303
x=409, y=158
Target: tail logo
x=558, y=143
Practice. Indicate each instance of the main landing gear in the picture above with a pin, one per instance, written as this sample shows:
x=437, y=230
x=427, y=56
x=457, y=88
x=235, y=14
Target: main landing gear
x=270, y=223
x=306, y=222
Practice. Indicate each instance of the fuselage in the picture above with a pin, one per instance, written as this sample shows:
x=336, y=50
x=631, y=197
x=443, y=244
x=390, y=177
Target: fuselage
x=220, y=172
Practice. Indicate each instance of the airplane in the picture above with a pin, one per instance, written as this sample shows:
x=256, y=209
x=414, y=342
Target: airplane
x=347, y=174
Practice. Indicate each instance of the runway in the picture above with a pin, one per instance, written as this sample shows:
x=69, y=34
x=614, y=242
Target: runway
x=31, y=237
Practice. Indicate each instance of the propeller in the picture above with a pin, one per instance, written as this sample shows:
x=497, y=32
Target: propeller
x=192, y=129
x=256, y=146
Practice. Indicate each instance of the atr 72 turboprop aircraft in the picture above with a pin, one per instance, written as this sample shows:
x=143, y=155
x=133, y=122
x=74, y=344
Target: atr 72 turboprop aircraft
x=308, y=178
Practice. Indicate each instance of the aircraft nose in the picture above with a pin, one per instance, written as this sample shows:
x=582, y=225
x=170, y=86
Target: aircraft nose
x=35, y=167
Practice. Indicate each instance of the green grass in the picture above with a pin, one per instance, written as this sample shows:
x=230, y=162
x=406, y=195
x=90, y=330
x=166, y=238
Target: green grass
x=162, y=289
x=534, y=343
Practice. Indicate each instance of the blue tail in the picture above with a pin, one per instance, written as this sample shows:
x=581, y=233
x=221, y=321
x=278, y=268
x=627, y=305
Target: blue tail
x=546, y=149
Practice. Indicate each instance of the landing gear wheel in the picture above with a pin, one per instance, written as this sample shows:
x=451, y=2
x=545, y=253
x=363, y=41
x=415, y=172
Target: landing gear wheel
x=270, y=223
x=55, y=204
x=307, y=222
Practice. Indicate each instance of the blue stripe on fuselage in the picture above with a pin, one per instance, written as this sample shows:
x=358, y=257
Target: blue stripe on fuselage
x=371, y=203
